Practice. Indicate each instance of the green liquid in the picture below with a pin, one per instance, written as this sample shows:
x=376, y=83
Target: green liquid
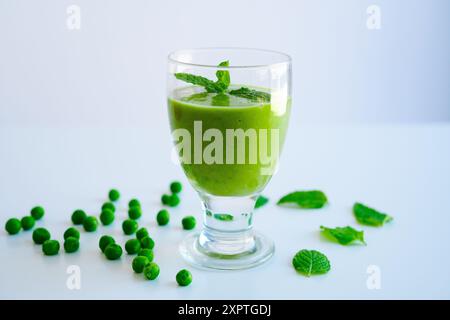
x=223, y=112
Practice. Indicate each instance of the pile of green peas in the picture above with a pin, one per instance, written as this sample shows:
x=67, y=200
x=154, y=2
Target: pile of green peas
x=142, y=245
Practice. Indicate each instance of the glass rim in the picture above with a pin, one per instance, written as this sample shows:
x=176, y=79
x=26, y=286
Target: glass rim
x=287, y=58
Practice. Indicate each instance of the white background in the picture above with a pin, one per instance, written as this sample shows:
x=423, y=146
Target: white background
x=82, y=111
x=111, y=72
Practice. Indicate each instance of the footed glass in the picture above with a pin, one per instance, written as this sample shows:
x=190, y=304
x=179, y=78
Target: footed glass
x=229, y=110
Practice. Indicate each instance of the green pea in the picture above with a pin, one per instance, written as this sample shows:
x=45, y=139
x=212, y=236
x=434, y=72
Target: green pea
x=134, y=203
x=141, y=233
x=147, y=243
x=50, y=247
x=40, y=235
x=78, y=216
x=72, y=232
x=13, y=226
x=37, y=212
x=27, y=222
x=129, y=226
x=165, y=199
x=105, y=241
x=132, y=246
x=90, y=224
x=148, y=253
x=188, y=223
x=184, y=278
x=107, y=217
x=163, y=217
x=114, y=195
x=109, y=205
x=134, y=213
x=113, y=251
x=139, y=264
x=151, y=271
x=176, y=187
x=174, y=200
x=71, y=244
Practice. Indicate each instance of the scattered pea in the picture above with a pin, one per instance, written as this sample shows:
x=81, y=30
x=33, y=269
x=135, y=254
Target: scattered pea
x=139, y=263
x=105, y=241
x=40, y=235
x=132, y=246
x=148, y=253
x=165, y=199
x=147, y=243
x=184, y=278
x=78, y=216
x=71, y=244
x=13, y=226
x=107, y=217
x=90, y=224
x=50, y=247
x=114, y=195
x=174, y=200
x=113, y=251
x=134, y=203
x=151, y=271
x=134, y=213
x=129, y=226
x=188, y=223
x=176, y=187
x=27, y=222
x=72, y=232
x=37, y=212
x=141, y=233
x=109, y=205
x=163, y=217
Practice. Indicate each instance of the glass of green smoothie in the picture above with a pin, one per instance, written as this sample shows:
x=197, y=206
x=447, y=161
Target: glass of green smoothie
x=229, y=110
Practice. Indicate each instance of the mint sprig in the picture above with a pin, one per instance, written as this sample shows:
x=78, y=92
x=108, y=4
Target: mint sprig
x=343, y=235
x=250, y=94
x=223, y=76
x=210, y=86
x=311, y=262
x=313, y=199
x=221, y=85
x=370, y=216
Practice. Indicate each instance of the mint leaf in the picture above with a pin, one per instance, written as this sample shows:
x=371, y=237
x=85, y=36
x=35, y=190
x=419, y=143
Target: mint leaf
x=310, y=262
x=221, y=100
x=250, y=94
x=305, y=199
x=343, y=235
x=223, y=76
x=369, y=216
x=209, y=85
x=223, y=216
x=261, y=201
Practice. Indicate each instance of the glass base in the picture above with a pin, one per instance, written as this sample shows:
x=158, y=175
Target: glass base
x=195, y=251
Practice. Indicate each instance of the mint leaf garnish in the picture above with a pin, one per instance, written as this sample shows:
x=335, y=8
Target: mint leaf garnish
x=261, y=201
x=221, y=100
x=310, y=262
x=343, y=235
x=304, y=199
x=369, y=216
x=221, y=86
x=223, y=216
x=250, y=94
x=209, y=85
x=223, y=76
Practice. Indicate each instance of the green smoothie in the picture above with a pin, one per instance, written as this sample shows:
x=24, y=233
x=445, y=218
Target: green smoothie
x=231, y=173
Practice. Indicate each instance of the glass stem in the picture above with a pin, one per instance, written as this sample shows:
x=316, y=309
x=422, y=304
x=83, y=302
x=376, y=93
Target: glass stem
x=227, y=225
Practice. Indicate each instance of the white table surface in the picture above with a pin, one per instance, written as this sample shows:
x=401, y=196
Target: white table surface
x=403, y=170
